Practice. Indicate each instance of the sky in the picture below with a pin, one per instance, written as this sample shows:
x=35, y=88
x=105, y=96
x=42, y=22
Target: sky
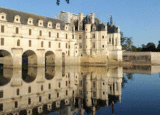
x=139, y=19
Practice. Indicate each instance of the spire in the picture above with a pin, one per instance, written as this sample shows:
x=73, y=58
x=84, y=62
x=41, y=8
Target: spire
x=111, y=20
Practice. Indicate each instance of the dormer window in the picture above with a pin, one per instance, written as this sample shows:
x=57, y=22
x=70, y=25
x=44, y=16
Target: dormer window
x=30, y=21
x=57, y=25
x=3, y=16
x=49, y=24
x=66, y=27
x=17, y=19
x=40, y=23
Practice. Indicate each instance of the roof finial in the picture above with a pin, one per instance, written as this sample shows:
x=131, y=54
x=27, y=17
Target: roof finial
x=111, y=20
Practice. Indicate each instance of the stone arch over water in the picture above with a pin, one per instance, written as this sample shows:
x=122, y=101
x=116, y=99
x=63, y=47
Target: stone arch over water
x=29, y=58
x=49, y=58
x=6, y=58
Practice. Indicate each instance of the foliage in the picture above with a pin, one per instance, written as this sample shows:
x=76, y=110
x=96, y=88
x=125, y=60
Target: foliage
x=149, y=47
x=134, y=48
x=158, y=48
x=126, y=42
x=58, y=2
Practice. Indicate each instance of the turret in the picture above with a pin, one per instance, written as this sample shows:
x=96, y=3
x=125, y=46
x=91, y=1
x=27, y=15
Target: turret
x=80, y=24
x=92, y=18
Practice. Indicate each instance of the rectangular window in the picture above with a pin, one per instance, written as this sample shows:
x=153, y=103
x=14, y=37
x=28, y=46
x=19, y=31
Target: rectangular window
x=41, y=87
x=66, y=36
x=49, y=34
x=93, y=45
x=80, y=45
x=66, y=45
x=1, y=107
x=72, y=36
x=2, y=41
x=93, y=35
x=18, y=42
x=59, y=45
x=40, y=33
x=1, y=94
x=49, y=86
x=2, y=29
x=30, y=43
x=29, y=89
x=17, y=91
x=30, y=31
x=40, y=99
x=17, y=30
x=94, y=94
x=102, y=37
x=49, y=96
x=57, y=35
x=49, y=44
x=16, y=104
x=41, y=44
x=57, y=94
x=80, y=83
x=80, y=37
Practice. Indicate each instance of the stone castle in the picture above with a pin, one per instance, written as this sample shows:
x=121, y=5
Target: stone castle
x=68, y=39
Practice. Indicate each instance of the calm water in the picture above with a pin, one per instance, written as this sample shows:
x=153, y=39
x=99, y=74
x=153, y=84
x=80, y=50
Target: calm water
x=80, y=90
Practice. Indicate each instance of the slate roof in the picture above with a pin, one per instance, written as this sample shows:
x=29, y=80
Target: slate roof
x=111, y=28
x=24, y=18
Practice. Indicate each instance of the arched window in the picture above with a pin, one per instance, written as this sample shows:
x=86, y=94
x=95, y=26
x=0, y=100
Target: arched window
x=30, y=43
x=18, y=42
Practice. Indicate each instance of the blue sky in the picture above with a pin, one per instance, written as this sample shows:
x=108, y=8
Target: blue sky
x=139, y=19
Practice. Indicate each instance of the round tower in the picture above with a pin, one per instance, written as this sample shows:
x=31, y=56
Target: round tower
x=88, y=38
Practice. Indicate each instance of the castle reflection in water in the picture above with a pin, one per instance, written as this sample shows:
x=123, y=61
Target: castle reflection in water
x=63, y=90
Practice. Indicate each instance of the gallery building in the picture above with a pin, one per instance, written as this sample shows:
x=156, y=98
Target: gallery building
x=68, y=39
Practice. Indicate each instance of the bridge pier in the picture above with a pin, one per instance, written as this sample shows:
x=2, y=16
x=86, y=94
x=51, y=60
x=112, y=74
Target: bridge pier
x=17, y=57
x=40, y=58
x=17, y=77
x=58, y=58
x=40, y=75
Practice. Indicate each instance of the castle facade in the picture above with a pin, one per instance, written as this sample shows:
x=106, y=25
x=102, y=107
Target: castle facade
x=55, y=41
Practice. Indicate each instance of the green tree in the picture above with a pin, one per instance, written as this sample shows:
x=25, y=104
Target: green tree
x=129, y=43
x=158, y=47
x=134, y=48
x=123, y=39
x=150, y=47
